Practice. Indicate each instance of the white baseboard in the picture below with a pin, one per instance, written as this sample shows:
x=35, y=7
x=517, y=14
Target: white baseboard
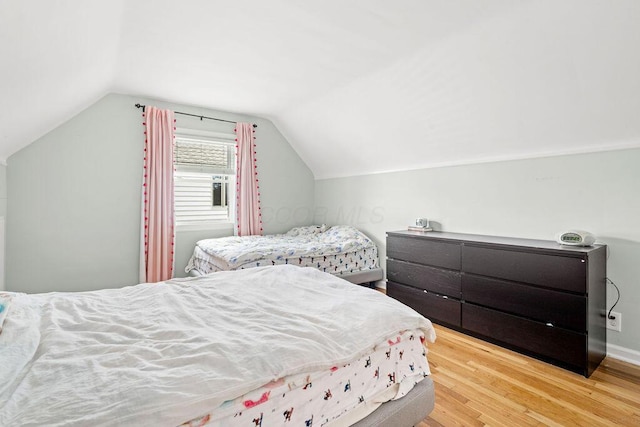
x=623, y=353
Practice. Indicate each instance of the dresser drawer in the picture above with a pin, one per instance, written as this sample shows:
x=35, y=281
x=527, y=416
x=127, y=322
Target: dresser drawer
x=443, y=282
x=423, y=251
x=558, y=308
x=551, y=271
x=558, y=344
x=435, y=308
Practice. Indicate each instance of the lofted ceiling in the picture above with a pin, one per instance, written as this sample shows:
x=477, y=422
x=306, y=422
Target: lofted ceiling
x=356, y=86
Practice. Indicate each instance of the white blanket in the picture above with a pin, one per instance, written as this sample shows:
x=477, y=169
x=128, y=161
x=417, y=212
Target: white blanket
x=162, y=354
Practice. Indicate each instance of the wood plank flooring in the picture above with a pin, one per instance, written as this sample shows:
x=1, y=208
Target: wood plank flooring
x=480, y=384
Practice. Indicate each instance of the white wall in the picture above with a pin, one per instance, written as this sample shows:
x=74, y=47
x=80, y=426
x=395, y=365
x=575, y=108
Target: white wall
x=535, y=198
x=73, y=217
x=532, y=78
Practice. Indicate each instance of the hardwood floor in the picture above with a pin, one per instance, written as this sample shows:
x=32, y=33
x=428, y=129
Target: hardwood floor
x=480, y=384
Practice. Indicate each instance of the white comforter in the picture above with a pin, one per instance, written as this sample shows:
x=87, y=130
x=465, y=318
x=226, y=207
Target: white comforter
x=162, y=354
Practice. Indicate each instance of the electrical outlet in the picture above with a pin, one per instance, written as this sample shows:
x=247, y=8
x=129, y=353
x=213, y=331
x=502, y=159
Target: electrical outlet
x=614, y=322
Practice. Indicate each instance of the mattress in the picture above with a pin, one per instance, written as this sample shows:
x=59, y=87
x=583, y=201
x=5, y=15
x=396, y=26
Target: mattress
x=188, y=350
x=338, y=395
x=336, y=250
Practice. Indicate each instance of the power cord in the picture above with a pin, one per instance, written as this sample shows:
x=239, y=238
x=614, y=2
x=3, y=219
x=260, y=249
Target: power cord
x=617, y=299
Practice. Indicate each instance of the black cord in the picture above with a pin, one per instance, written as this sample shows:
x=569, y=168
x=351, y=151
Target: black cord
x=618, y=299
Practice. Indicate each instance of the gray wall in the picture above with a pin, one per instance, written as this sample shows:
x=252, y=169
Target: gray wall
x=73, y=217
x=3, y=213
x=3, y=190
x=72, y=202
x=534, y=198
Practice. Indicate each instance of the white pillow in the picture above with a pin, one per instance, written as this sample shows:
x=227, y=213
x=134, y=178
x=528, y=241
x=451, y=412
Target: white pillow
x=307, y=231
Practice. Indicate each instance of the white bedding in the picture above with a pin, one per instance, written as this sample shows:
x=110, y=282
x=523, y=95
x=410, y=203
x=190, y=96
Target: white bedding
x=162, y=354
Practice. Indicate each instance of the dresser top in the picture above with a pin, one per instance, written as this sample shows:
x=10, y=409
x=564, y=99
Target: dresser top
x=495, y=240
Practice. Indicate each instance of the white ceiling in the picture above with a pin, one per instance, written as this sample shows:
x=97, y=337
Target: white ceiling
x=356, y=86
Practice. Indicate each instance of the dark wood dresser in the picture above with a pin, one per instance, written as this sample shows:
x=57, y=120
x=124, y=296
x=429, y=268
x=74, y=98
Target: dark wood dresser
x=537, y=297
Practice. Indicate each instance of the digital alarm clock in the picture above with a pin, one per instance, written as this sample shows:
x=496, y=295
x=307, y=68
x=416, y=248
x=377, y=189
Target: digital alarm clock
x=576, y=238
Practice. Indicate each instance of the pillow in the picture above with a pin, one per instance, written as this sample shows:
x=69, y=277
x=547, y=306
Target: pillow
x=307, y=231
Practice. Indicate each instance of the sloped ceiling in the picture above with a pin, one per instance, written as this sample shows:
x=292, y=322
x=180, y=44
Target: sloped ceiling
x=356, y=86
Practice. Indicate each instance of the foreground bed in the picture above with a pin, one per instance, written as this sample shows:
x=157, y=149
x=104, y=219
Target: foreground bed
x=257, y=347
x=340, y=250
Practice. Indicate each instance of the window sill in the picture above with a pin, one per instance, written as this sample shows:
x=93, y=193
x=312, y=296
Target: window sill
x=210, y=226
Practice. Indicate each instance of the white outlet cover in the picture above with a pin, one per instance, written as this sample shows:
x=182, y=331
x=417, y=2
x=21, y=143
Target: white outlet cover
x=615, y=324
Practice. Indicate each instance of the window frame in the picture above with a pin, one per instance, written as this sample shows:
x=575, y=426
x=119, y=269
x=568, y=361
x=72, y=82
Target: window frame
x=213, y=137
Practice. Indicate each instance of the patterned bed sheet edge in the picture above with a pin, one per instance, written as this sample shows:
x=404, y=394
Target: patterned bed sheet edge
x=340, y=396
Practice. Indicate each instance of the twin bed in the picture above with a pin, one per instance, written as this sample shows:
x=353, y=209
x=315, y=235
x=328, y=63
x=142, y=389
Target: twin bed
x=267, y=346
x=340, y=250
x=271, y=339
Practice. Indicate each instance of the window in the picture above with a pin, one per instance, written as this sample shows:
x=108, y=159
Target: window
x=204, y=180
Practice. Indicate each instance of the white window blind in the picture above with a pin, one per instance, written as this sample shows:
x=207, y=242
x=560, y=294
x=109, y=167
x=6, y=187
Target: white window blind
x=204, y=156
x=204, y=181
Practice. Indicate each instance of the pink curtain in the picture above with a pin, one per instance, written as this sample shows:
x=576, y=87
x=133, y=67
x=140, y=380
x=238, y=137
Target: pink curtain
x=157, y=234
x=249, y=217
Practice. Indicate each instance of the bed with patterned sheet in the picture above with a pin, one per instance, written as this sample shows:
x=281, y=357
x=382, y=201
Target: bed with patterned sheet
x=267, y=346
x=340, y=250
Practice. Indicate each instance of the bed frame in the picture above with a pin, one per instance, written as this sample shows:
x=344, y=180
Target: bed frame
x=363, y=277
x=407, y=411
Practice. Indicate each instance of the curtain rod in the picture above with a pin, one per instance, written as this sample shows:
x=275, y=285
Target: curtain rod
x=195, y=115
